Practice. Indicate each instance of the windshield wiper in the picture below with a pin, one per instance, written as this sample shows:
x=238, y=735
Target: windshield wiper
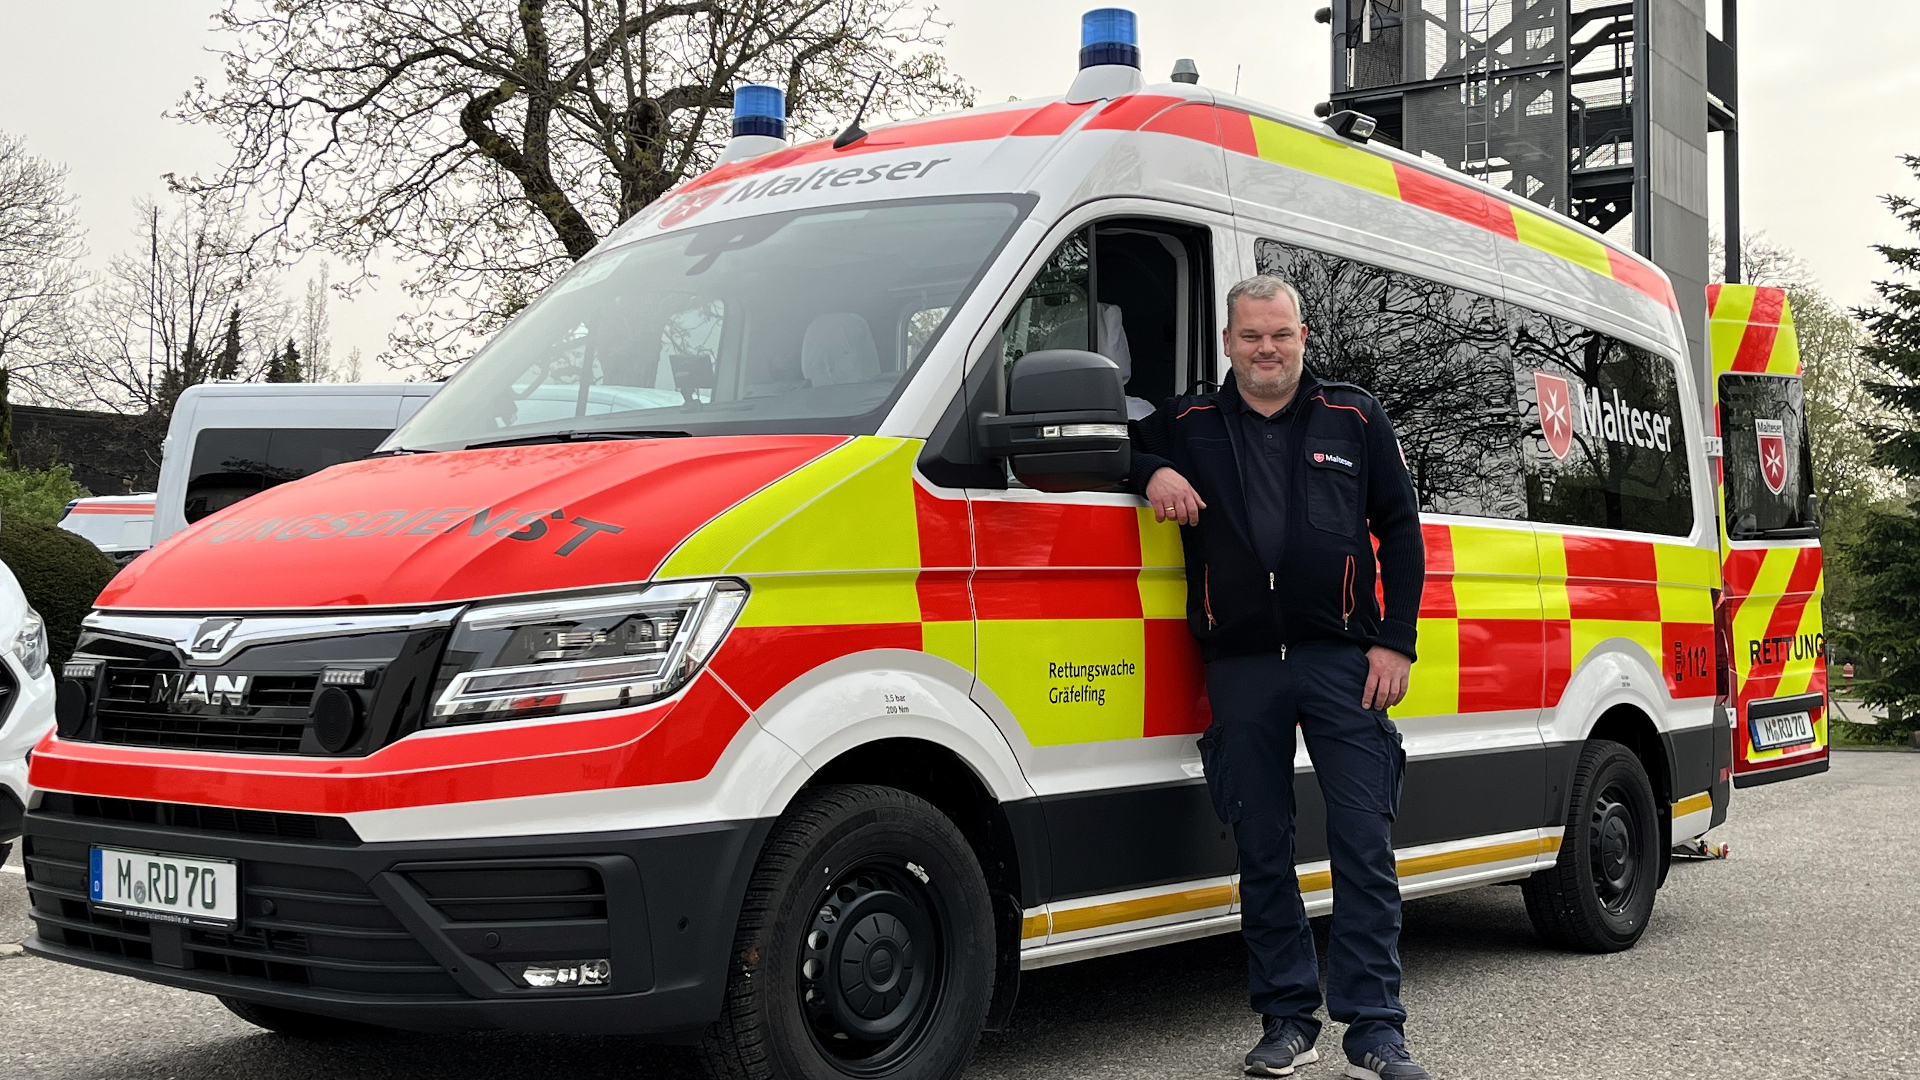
x=399, y=450
x=590, y=435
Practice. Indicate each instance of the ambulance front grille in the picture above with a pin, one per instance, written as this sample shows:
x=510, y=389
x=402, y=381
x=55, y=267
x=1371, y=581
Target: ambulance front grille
x=310, y=926
x=276, y=717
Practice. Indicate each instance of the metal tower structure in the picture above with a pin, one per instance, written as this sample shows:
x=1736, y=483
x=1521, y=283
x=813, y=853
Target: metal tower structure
x=1596, y=109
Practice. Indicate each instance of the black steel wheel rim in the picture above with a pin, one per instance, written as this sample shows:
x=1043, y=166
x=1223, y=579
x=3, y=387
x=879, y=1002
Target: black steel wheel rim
x=1616, y=856
x=871, y=967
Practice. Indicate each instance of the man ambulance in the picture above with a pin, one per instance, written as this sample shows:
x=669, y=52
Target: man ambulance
x=752, y=644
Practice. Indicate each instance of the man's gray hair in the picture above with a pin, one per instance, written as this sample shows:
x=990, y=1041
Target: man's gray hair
x=1263, y=287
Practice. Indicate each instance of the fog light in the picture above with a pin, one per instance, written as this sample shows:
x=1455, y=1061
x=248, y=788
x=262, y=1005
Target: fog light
x=560, y=974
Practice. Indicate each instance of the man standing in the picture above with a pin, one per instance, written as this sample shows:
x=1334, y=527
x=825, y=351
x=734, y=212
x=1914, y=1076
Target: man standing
x=1283, y=482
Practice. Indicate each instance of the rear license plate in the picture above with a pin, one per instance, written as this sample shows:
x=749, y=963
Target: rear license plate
x=181, y=889
x=1786, y=729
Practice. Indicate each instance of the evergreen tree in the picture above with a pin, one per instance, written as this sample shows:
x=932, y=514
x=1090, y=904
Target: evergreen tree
x=227, y=364
x=1887, y=557
x=9, y=457
x=286, y=366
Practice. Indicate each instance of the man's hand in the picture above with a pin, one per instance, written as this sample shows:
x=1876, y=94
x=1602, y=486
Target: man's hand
x=1386, y=676
x=1172, y=498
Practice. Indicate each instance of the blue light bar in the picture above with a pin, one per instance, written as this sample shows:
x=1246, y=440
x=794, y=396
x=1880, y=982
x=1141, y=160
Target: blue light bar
x=1109, y=36
x=760, y=110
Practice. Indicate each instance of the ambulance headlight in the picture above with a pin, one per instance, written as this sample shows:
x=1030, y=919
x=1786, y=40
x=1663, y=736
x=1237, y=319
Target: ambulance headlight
x=585, y=654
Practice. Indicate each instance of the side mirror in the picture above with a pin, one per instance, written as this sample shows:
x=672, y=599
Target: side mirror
x=1066, y=422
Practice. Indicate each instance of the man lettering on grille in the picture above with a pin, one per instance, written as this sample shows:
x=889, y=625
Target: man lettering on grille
x=1283, y=483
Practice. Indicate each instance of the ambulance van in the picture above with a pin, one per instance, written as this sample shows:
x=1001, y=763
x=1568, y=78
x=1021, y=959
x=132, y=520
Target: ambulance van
x=803, y=676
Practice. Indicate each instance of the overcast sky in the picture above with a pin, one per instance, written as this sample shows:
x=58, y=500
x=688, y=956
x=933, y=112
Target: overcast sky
x=1827, y=109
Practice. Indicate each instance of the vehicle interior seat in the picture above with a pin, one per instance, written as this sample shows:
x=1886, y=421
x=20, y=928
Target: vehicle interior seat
x=838, y=349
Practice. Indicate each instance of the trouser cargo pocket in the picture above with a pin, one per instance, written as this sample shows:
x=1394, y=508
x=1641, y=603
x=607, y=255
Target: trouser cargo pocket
x=1226, y=801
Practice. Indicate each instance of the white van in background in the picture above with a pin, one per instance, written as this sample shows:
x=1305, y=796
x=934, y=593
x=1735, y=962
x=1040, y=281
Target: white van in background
x=231, y=440
x=121, y=526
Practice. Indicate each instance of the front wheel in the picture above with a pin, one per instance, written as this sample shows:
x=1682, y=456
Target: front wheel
x=865, y=946
x=1599, y=895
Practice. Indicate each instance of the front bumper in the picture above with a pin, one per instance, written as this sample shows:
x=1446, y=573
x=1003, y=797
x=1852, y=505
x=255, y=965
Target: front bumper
x=409, y=935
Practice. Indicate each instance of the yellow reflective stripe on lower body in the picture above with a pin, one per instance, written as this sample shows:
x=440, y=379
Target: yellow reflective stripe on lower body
x=1098, y=913
x=1693, y=804
x=1146, y=907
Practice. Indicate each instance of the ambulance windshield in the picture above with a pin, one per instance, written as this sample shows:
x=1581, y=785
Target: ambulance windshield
x=801, y=322
x=1769, y=466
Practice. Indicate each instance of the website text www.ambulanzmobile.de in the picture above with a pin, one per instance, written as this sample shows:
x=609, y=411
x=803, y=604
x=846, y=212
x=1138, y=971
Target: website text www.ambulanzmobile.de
x=744, y=570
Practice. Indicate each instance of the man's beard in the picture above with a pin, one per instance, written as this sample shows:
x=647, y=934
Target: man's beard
x=1283, y=382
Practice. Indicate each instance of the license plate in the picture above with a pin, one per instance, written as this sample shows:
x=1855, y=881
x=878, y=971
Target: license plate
x=1786, y=729
x=165, y=888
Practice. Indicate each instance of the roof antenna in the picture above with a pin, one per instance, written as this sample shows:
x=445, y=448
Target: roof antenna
x=1236, y=80
x=855, y=132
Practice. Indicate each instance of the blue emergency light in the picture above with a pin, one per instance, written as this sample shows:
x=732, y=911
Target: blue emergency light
x=1109, y=36
x=760, y=110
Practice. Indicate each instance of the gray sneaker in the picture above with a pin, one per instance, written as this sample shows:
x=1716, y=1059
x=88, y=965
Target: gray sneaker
x=1388, y=1061
x=1282, y=1046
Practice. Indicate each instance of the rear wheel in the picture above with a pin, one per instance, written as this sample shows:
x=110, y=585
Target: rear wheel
x=865, y=946
x=1599, y=895
x=293, y=1024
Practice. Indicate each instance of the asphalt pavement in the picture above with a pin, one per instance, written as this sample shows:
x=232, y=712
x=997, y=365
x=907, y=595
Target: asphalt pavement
x=1799, y=956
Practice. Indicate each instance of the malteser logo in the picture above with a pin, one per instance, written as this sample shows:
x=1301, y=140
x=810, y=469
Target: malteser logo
x=1772, y=435
x=1556, y=412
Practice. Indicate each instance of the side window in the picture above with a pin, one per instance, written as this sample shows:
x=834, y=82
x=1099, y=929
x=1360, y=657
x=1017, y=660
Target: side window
x=1434, y=355
x=1145, y=282
x=230, y=464
x=1052, y=313
x=1769, y=464
x=1603, y=430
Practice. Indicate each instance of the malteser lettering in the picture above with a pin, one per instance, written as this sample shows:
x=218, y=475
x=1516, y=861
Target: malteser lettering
x=1610, y=417
x=775, y=186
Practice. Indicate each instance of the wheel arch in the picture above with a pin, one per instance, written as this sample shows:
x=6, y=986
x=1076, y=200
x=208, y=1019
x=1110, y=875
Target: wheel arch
x=1631, y=726
x=1010, y=846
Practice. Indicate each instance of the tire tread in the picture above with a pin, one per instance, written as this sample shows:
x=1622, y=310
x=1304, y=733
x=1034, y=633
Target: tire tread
x=734, y=1047
x=1555, y=896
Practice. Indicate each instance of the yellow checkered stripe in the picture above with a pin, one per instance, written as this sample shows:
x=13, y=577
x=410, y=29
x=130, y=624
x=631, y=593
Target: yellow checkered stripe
x=836, y=542
x=1505, y=621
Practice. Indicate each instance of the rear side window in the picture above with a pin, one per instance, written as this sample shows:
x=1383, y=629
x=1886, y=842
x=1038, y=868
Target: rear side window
x=1435, y=356
x=1769, y=466
x=1602, y=429
x=230, y=464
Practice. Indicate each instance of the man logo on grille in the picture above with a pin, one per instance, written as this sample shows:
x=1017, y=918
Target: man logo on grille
x=1556, y=412
x=1773, y=453
x=212, y=635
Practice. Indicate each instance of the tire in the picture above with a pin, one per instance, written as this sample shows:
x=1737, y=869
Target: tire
x=1599, y=895
x=879, y=887
x=294, y=1024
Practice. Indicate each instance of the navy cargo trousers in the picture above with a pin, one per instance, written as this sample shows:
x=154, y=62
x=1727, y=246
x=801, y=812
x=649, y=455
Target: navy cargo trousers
x=1357, y=758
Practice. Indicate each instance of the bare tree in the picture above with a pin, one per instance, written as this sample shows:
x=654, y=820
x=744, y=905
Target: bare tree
x=490, y=143
x=156, y=322
x=316, y=346
x=40, y=246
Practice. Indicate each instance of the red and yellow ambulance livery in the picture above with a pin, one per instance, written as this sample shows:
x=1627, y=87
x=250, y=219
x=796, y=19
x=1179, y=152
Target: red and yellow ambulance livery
x=751, y=644
x=1770, y=538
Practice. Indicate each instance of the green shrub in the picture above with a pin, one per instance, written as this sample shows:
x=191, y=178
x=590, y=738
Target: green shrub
x=37, y=494
x=60, y=572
